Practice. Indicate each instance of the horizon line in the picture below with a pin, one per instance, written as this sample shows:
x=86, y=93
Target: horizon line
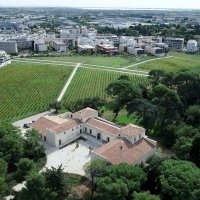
x=101, y=8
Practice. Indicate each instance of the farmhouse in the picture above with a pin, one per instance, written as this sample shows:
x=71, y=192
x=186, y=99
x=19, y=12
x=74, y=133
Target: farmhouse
x=127, y=144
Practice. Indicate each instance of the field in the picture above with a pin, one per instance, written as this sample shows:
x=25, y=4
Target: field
x=176, y=62
x=89, y=83
x=28, y=89
x=108, y=61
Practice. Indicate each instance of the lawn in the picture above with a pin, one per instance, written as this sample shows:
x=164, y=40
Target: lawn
x=91, y=83
x=27, y=89
x=177, y=62
x=108, y=61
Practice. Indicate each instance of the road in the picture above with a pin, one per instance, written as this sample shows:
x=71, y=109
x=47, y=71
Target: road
x=68, y=82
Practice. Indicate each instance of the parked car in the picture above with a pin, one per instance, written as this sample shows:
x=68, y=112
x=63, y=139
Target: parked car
x=26, y=126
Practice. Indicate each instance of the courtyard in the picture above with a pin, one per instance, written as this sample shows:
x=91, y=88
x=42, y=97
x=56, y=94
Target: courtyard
x=71, y=157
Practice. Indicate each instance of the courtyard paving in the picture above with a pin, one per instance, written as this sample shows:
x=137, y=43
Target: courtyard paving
x=71, y=158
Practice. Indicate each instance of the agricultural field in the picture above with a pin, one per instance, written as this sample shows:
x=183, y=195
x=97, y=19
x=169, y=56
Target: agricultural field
x=27, y=89
x=178, y=61
x=108, y=61
x=91, y=83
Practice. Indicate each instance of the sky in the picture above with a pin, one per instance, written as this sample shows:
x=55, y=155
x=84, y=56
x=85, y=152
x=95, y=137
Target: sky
x=105, y=3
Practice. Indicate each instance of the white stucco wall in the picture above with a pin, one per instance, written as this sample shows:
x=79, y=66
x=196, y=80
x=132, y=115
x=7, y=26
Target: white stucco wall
x=95, y=131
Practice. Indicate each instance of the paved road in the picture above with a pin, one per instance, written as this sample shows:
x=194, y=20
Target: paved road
x=28, y=120
x=68, y=82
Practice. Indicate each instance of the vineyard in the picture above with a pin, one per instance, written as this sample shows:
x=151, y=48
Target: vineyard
x=109, y=61
x=91, y=83
x=177, y=62
x=27, y=89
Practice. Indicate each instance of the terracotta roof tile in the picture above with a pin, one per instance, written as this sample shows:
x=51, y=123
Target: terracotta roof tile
x=131, y=130
x=66, y=126
x=104, y=126
x=42, y=124
x=121, y=151
x=87, y=112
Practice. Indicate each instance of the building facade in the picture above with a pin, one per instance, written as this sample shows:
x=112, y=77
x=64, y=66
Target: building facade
x=129, y=142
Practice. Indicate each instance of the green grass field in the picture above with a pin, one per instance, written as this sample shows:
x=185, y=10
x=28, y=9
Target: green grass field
x=28, y=89
x=108, y=61
x=177, y=62
x=91, y=83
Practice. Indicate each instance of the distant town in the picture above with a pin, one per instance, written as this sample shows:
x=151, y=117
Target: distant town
x=55, y=31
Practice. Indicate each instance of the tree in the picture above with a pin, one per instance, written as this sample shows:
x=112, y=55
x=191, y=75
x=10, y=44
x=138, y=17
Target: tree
x=187, y=83
x=111, y=190
x=55, y=181
x=56, y=106
x=153, y=172
x=24, y=168
x=180, y=180
x=145, y=110
x=122, y=91
x=195, y=151
x=193, y=115
x=32, y=148
x=95, y=168
x=35, y=189
x=168, y=102
x=3, y=184
x=12, y=149
x=133, y=176
x=144, y=196
x=156, y=76
x=182, y=147
x=94, y=102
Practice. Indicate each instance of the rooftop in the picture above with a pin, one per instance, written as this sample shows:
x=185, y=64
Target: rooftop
x=104, y=126
x=131, y=130
x=122, y=151
x=87, y=112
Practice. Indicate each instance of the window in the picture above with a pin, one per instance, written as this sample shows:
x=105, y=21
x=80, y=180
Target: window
x=90, y=131
x=60, y=142
x=85, y=129
x=72, y=129
x=64, y=132
x=134, y=139
x=140, y=136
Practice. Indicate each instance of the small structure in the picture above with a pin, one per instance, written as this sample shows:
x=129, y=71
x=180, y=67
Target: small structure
x=192, y=46
x=136, y=51
x=9, y=46
x=59, y=46
x=40, y=46
x=155, y=51
x=109, y=49
x=86, y=48
x=4, y=59
x=175, y=44
x=127, y=144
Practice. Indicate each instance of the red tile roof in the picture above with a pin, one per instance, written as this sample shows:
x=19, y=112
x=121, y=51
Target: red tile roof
x=131, y=130
x=42, y=124
x=87, y=112
x=60, y=128
x=122, y=151
x=106, y=127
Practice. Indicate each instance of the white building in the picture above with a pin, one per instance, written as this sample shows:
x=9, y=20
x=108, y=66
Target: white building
x=155, y=51
x=40, y=46
x=59, y=46
x=136, y=51
x=4, y=59
x=192, y=46
x=9, y=46
x=127, y=144
x=175, y=44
